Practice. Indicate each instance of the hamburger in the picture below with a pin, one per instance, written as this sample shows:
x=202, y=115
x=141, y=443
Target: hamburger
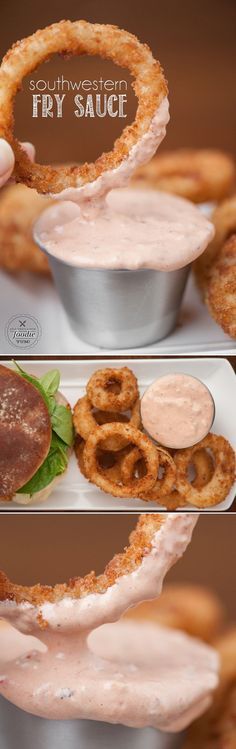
x=36, y=434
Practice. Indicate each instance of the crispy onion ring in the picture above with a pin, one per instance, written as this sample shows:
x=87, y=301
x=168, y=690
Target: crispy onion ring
x=147, y=450
x=217, y=727
x=109, y=462
x=204, y=468
x=199, y=175
x=223, y=477
x=19, y=209
x=85, y=421
x=224, y=220
x=192, y=608
x=121, y=564
x=221, y=289
x=162, y=485
x=100, y=389
x=78, y=38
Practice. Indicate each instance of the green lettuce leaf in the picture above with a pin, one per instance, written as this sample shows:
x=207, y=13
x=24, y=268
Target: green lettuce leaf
x=50, y=381
x=62, y=424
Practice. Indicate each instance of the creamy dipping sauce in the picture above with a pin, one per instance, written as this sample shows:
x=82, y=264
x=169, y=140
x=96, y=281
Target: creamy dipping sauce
x=130, y=229
x=96, y=226
x=76, y=668
x=114, y=677
x=177, y=410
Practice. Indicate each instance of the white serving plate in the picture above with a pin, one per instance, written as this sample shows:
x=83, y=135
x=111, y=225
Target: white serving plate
x=74, y=492
x=27, y=294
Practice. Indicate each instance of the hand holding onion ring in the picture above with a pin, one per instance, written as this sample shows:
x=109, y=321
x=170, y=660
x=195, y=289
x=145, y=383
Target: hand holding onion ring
x=78, y=38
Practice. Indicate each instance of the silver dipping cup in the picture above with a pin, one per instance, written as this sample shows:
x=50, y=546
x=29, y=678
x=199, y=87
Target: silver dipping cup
x=118, y=308
x=19, y=730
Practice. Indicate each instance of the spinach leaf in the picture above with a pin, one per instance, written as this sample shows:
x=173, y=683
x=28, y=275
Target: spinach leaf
x=61, y=420
x=50, y=381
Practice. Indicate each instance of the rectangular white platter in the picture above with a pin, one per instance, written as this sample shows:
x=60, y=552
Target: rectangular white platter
x=25, y=294
x=74, y=492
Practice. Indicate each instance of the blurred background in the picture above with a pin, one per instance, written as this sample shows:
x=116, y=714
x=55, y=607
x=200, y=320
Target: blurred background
x=195, y=42
x=52, y=548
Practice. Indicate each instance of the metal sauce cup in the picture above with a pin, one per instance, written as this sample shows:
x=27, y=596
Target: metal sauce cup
x=20, y=730
x=118, y=308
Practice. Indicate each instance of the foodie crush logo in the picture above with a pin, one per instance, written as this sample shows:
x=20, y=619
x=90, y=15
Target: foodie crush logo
x=23, y=331
x=97, y=98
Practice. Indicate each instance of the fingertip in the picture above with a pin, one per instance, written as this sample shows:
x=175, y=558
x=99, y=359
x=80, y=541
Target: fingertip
x=7, y=160
x=29, y=149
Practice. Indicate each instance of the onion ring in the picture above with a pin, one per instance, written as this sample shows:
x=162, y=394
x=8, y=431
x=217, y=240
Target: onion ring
x=134, y=437
x=217, y=727
x=192, y=608
x=204, y=466
x=223, y=477
x=110, y=462
x=173, y=501
x=19, y=209
x=224, y=220
x=221, y=289
x=142, y=540
x=198, y=175
x=162, y=485
x=85, y=421
x=100, y=394
x=77, y=38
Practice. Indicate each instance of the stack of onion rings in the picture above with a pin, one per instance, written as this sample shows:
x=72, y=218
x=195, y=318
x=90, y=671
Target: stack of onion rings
x=109, y=441
x=79, y=38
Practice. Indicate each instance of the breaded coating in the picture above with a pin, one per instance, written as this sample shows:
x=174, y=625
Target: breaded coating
x=19, y=209
x=200, y=175
x=121, y=564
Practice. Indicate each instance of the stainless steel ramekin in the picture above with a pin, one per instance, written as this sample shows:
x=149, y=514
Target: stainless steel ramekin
x=118, y=308
x=19, y=730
